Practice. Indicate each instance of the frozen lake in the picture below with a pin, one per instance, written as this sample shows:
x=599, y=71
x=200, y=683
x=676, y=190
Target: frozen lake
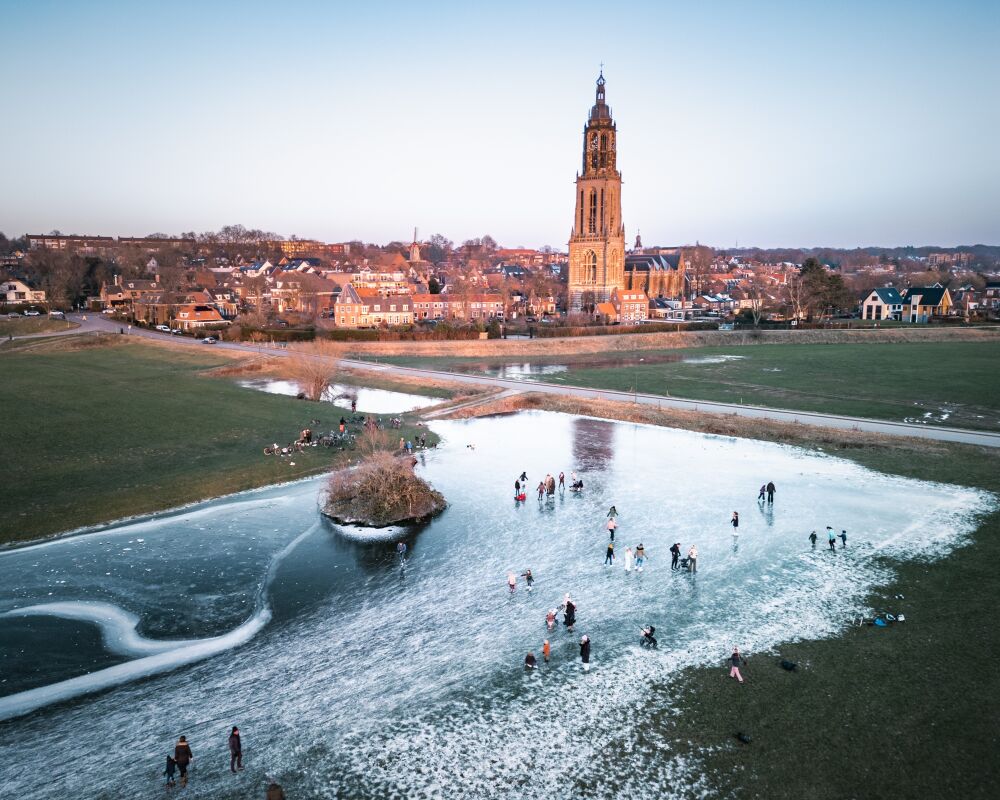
x=370, y=401
x=353, y=675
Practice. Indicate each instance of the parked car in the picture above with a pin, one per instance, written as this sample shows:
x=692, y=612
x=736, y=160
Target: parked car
x=164, y=328
x=13, y=314
x=57, y=314
x=209, y=340
x=32, y=313
x=108, y=311
x=176, y=331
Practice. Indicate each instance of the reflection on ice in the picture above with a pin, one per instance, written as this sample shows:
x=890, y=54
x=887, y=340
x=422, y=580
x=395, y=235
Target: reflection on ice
x=370, y=401
x=382, y=678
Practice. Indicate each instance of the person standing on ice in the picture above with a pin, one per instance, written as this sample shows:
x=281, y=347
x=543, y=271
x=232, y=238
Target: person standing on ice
x=843, y=539
x=812, y=538
x=528, y=578
x=735, y=521
x=235, y=750
x=569, y=613
x=517, y=488
x=530, y=662
x=831, y=538
x=183, y=756
x=693, y=559
x=546, y=651
x=770, y=492
x=562, y=481
x=609, y=556
x=550, y=619
x=612, y=526
x=675, y=554
x=512, y=582
x=612, y=512
x=524, y=477
x=541, y=489
x=760, y=494
x=628, y=559
x=585, y=652
x=640, y=557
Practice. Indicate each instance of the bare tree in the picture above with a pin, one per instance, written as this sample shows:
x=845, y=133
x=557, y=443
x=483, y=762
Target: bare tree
x=313, y=366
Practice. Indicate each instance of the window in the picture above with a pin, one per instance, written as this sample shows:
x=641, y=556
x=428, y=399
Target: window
x=590, y=267
x=592, y=223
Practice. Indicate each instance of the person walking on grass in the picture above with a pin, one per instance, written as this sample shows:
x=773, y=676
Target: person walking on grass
x=735, y=659
x=675, y=554
x=831, y=538
x=235, y=750
x=770, y=492
x=843, y=539
x=585, y=652
x=183, y=756
x=612, y=526
x=812, y=538
x=609, y=556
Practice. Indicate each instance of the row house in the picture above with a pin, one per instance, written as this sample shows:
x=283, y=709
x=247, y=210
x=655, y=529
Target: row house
x=475, y=307
x=304, y=293
x=430, y=306
x=365, y=308
x=125, y=292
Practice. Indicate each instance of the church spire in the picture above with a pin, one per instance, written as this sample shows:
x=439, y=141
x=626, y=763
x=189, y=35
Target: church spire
x=601, y=110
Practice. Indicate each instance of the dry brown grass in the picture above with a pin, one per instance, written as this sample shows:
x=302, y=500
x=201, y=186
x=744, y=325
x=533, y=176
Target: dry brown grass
x=380, y=491
x=500, y=348
x=719, y=424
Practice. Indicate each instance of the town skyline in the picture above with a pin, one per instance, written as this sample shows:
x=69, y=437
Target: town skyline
x=822, y=132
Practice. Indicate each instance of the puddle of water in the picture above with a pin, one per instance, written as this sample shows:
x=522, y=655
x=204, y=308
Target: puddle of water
x=353, y=673
x=370, y=401
x=722, y=359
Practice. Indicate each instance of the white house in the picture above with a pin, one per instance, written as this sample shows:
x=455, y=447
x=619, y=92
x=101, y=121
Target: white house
x=15, y=292
x=882, y=303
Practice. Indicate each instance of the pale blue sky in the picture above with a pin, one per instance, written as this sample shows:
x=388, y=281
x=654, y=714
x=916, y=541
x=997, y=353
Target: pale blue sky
x=782, y=123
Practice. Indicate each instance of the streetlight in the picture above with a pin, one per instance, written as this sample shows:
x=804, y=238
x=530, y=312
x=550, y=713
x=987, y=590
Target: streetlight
x=635, y=384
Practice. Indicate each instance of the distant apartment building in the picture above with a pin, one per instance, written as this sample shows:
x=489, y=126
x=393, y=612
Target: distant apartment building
x=84, y=245
x=949, y=259
x=298, y=248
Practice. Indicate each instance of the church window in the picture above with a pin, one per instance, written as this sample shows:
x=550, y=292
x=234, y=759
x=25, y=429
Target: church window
x=602, y=208
x=592, y=222
x=590, y=267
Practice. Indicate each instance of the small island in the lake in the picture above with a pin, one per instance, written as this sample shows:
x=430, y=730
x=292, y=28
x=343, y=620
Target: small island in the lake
x=382, y=490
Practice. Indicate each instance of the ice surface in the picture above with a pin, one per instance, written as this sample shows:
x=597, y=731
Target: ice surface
x=370, y=401
x=381, y=678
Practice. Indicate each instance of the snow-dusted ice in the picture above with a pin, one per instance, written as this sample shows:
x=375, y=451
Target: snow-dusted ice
x=353, y=674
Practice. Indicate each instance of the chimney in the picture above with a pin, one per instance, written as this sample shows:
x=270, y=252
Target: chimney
x=118, y=280
x=156, y=278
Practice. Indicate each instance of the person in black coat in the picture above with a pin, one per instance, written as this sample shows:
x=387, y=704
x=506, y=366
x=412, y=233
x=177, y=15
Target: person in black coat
x=770, y=492
x=235, y=750
x=585, y=652
x=675, y=554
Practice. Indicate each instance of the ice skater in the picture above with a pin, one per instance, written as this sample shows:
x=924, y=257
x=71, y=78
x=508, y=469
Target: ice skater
x=628, y=559
x=831, y=538
x=550, y=619
x=770, y=492
x=585, y=652
x=170, y=770
x=640, y=557
x=541, y=490
x=735, y=521
x=843, y=539
x=517, y=487
x=612, y=512
x=235, y=750
x=562, y=481
x=530, y=662
x=812, y=538
x=734, y=660
x=512, y=582
x=648, y=640
x=675, y=554
x=569, y=613
x=693, y=559
x=529, y=579
x=546, y=651
x=612, y=526
x=183, y=757
x=609, y=556
x=401, y=550
x=524, y=477
x=760, y=494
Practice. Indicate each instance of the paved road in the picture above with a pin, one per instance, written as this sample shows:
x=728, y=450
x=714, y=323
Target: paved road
x=95, y=322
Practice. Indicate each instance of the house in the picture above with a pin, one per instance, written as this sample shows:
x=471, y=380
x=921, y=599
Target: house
x=606, y=312
x=124, y=292
x=429, y=306
x=882, y=303
x=922, y=303
x=15, y=292
x=630, y=306
x=197, y=316
x=303, y=292
x=366, y=308
x=475, y=306
x=991, y=296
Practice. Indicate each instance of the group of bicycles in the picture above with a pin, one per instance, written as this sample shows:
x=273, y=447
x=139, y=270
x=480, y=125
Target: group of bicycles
x=340, y=439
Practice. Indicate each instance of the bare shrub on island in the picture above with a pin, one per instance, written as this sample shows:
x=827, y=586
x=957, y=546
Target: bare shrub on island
x=382, y=490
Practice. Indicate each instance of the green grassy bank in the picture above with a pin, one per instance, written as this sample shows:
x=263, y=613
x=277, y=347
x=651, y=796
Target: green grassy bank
x=946, y=383
x=107, y=432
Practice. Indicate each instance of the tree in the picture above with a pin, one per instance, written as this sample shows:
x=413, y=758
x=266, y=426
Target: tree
x=312, y=366
x=433, y=286
x=758, y=297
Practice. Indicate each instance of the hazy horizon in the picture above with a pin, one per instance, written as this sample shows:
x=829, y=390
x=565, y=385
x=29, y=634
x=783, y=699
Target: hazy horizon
x=762, y=124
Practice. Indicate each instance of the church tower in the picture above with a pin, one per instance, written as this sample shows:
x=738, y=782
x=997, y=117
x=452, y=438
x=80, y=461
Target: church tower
x=597, y=242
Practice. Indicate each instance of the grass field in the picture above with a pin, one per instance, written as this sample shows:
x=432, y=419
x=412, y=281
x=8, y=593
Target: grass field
x=945, y=383
x=25, y=326
x=106, y=432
